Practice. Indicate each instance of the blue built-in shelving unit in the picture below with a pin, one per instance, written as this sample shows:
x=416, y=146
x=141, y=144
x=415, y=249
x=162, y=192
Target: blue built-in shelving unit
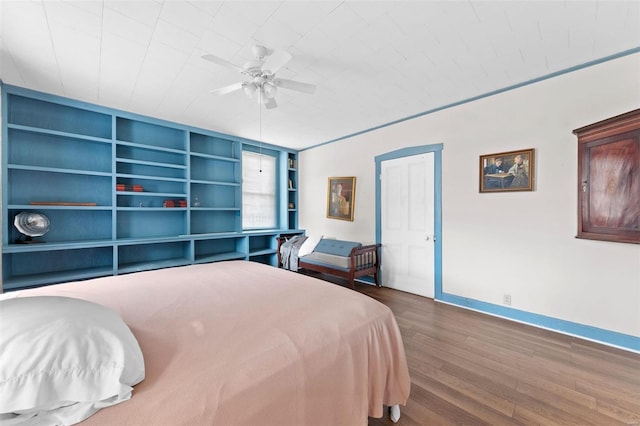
x=69, y=154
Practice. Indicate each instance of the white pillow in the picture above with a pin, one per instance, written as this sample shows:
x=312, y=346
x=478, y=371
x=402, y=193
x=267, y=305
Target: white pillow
x=309, y=244
x=62, y=359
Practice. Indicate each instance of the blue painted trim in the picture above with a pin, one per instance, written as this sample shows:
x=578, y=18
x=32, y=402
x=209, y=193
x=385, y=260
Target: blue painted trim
x=608, y=337
x=437, y=228
x=4, y=156
x=436, y=149
x=486, y=95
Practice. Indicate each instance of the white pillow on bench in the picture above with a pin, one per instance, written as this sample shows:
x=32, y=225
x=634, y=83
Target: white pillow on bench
x=309, y=245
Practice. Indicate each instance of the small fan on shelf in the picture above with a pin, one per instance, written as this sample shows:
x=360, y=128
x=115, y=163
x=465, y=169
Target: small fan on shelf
x=31, y=225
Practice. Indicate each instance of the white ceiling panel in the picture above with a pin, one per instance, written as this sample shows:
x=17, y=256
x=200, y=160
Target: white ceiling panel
x=373, y=62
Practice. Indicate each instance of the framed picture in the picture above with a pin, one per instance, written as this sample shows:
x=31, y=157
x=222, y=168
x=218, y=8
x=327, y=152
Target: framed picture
x=341, y=196
x=507, y=171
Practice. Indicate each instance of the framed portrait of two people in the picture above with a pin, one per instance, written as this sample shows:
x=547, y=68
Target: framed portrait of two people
x=341, y=196
x=507, y=171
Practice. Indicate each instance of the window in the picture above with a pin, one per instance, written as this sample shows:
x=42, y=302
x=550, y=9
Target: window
x=258, y=190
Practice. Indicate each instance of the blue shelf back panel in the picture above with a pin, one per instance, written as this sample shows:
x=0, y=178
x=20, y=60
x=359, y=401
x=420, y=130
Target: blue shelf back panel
x=211, y=145
x=150, y=170
x=58, y=117
x=49, y=150
x=261, y=242
x=146, y=201
x=31, y=185
x=150, y=253
x=206, y=221
x=81, y=225
x=47, y=262
x=213, y=170
x=153, y=155
x=218, y=246
x=218, y=196
x=168, y=222
x=149, y=134
x=155, y=186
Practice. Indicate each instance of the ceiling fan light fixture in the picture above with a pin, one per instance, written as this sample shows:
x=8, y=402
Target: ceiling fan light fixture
x=270, y=90
x=262, y=98
x=249, y=89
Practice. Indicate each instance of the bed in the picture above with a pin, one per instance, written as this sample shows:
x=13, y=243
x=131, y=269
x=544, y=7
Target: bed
x=241, y=343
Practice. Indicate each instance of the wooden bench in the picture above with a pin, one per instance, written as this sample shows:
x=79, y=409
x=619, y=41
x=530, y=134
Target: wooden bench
x=345, y=259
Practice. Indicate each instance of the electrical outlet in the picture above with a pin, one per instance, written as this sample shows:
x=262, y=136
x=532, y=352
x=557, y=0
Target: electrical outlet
x=506, y=299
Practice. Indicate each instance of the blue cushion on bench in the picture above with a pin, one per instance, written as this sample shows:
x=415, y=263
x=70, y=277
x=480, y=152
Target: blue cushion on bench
x=336, y=247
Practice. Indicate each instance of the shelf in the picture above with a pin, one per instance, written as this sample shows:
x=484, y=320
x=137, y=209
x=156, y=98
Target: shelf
x=64, y=151
x=56, y=170
x=262, y=252
x=149, y=134
x=151, y=194
x=36, y=185
x=40, y=130
x=54, y=207
x=57, y=117
x=150, y=147
x=142, y=257
x=145, y=177
x=213, y=170
x=154, y=185
x=216, y=209
x=151, y=240
x=66, y=225
x=151, y=163
x=58, y=277
x=201, y=144
x=34, y=267
x=152, y=209
x=214, y=221
x=59, y=245
x=234, y=255
x=214, y=182
x=215, y=157
x=148, y=266
x=50, y=151
x=150, y=223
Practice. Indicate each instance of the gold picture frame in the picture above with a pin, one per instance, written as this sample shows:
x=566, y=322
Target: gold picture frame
x=341, y=196
x=507, y=171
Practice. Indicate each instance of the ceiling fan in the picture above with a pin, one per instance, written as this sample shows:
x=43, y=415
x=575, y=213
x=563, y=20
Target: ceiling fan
x=262, y=75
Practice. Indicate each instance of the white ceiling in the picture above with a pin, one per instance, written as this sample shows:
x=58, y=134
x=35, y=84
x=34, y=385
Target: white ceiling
x=373, y=62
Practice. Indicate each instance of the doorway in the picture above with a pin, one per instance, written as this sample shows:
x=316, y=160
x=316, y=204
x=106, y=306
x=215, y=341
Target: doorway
x=408, y=219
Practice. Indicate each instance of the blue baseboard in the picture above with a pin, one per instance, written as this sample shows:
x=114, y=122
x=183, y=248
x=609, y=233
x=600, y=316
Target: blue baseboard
x=611, y=338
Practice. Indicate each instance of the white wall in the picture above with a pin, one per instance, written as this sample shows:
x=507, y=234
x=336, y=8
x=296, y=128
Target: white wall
x=519, y=243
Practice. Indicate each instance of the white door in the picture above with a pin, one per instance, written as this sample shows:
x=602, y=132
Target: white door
x=407, y=224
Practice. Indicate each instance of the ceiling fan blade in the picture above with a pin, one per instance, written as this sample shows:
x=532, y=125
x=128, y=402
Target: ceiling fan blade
x=277, y=60
x=294, y=85
x=270, y=103
x=228, y=89
x=221, y=62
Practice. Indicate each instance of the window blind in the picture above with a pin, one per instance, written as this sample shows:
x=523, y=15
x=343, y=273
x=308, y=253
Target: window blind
x=258, y=190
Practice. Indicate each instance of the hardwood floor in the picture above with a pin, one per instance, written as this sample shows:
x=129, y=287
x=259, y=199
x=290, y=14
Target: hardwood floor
x=473, y=369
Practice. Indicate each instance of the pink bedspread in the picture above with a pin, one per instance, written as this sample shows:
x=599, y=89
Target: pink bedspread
x=240, y=343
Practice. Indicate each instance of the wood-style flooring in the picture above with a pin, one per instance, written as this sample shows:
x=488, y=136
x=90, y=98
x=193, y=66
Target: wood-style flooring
x=470, y=368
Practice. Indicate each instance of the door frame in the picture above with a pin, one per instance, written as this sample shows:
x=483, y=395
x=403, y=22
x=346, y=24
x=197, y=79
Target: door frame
x=437, y=202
